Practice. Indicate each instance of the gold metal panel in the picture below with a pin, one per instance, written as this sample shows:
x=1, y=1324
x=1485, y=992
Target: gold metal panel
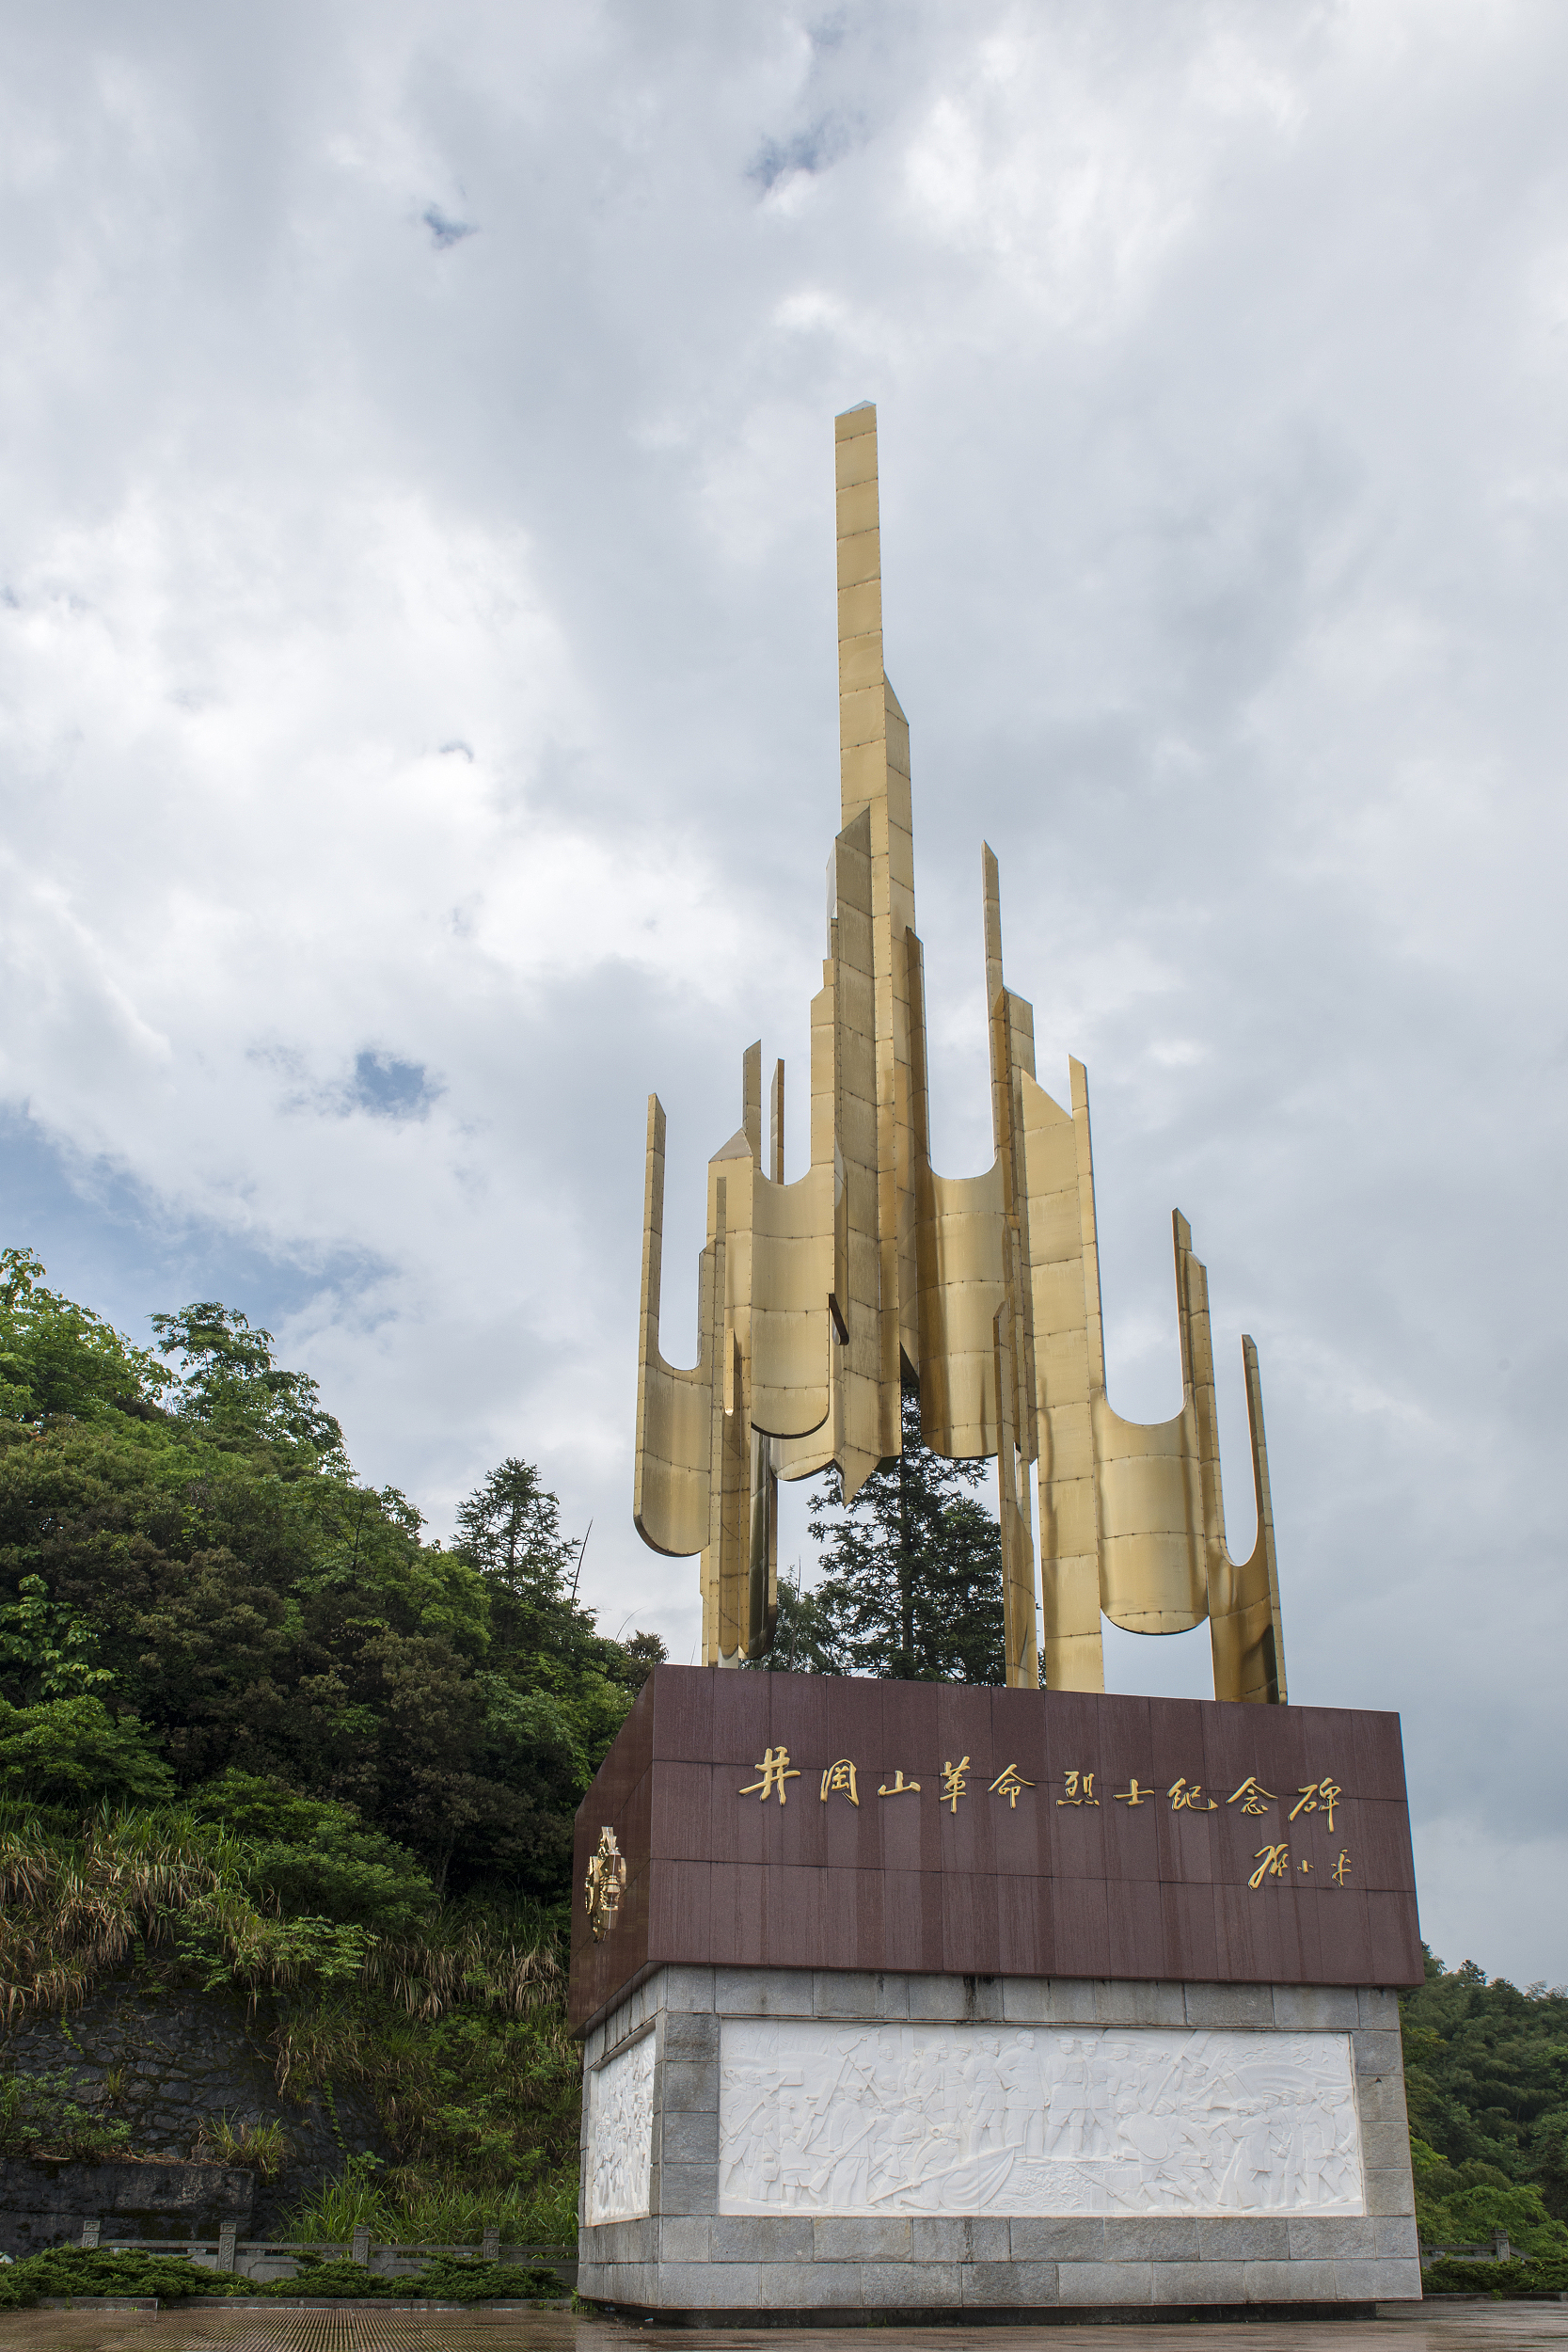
x=863, y=769
x=859, y=659
x=713, y=1350
x=960, y=1248
x=912, y=1143
x=792, y=1272
x=1072, y=1652
x=861, y=419
x=862, y=720
x=816, y=1298
x=857, y=1284
x=858, y=559
x=762, y=1552
x=1011, y=1030
x=802, y=1457
x=1018, y=1543
x=1245, y=1630
x=855, y=460
x=1088, y=1232
x=859, y=612
x=1243, y=1601
x=731, y=1495
x=750, y=1090
x=1151, y=1565
x=1021, y=1662
x=856, y=502
x=669, y=1504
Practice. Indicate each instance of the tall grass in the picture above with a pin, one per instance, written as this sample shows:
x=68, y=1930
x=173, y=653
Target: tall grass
x=74, y=1907
x=71, y=1908
x=259, y=2148
x=466, y=1959
x=406, y=2208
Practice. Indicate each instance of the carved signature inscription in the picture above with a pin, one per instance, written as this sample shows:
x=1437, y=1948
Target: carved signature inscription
x=815, y=2117
x=621, y=2136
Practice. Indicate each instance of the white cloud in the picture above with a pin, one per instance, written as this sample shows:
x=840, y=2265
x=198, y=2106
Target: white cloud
x=1219, y=357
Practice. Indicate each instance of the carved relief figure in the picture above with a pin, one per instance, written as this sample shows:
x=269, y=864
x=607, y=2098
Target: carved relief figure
x=620, y=2138
x=964, y=2119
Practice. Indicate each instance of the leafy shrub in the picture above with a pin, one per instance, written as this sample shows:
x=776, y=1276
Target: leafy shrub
x=310, y=1854
x=39, y=2114
x=1510, y=2280
x=74, y=2270
x=94, y=2270
x=451, y=2279
x=73, y=1751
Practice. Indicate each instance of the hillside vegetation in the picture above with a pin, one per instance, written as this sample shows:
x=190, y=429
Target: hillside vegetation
x=1486, y=2081
x=256, y=1732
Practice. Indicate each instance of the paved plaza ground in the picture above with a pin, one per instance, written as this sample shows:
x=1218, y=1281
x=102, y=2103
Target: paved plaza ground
x=1468, y=2327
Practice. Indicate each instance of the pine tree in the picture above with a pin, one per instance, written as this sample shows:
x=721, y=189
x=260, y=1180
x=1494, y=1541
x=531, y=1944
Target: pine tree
x=911, y=1588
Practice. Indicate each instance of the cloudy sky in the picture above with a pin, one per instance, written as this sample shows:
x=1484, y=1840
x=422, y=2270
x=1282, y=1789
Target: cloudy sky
x=417, y=722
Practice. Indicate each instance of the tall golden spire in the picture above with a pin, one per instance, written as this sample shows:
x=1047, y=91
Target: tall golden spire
x=817, y=1299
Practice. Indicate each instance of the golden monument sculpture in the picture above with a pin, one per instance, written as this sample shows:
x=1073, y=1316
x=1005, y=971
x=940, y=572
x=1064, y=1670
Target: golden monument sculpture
x=818, y=1298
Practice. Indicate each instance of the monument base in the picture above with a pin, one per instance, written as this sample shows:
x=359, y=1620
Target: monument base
x=769, y=2142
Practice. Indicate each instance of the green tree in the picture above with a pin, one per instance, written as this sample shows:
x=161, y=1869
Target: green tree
x=231, y=1385
x=73, y=1753
x=308, y=1854
x=1486, y=2083
x=56, y=1358
x=556, y=1690
x=210, y=1573
x=45, y=1649
x=912, y=1587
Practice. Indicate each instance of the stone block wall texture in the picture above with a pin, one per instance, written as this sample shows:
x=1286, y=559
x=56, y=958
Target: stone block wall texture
x=44, y=2202
x=686, y=2256
x=167, y=2061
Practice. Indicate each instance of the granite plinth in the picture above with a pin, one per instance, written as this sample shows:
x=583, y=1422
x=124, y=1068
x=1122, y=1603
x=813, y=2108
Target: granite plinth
x=689, y=2253
x=939, y=2000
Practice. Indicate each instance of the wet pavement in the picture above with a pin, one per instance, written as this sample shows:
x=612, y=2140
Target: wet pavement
x=1431, y=2328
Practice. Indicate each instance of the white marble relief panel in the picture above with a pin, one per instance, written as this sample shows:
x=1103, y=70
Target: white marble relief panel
x=816, y=2118
x=621, y=2136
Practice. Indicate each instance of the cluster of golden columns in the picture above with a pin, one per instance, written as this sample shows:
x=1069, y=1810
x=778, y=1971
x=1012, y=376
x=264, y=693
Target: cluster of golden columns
x=818, y=1298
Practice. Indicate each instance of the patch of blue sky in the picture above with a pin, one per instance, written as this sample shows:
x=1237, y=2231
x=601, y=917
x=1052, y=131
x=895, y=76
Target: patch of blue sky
x=111, y=1245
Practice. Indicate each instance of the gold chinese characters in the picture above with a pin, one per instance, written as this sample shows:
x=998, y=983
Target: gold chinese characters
x=1272, y=1861
x=1078, y=1782
x=1324, y=1792
x=775, y=1768
x=1079, y=1785
x=816, y=1297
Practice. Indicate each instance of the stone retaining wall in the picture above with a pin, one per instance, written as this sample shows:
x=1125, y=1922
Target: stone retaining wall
x=167, y=2061
x=45, y=2201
